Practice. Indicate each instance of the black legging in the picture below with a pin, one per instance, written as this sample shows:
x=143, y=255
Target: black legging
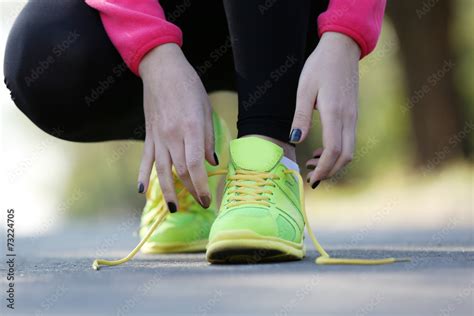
x=66, y=76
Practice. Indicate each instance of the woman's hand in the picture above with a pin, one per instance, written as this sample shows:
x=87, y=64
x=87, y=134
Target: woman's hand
x=179, y=130
x=329, y=83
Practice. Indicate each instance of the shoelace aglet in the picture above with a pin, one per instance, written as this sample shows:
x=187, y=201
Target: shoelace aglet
x=95, y=265
x=98, y=263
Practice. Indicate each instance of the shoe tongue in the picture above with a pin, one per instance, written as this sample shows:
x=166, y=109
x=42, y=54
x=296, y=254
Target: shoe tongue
x=255, y=154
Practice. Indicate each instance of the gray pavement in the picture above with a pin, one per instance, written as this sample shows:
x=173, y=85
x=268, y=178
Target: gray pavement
x=54, y=277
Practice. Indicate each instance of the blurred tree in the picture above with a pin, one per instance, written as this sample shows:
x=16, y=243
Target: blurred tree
x=423, y=28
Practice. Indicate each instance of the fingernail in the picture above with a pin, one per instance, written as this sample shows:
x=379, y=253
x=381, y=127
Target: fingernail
x=171, y=207
x=141, y=187
x=216, y=159
x=295, y=135
x=317, y=157
x=307, y=180
x=310, y=167
x=205, y=200
x=315, y=185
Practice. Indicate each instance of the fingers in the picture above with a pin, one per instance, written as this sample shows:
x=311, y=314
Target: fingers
x=305, y=102
x=332, y=142
x=348, y=145
x=146, y=164
x=188, y=162
x=178, y=158
x=317, y=152
x=339, y=130
x=194, y=150
x=165, y=176
x=312, y=163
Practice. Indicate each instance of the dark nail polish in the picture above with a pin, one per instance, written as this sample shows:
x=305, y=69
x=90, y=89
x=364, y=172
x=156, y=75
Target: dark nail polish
x=317, y=157
x=141, y=187
x=295, y=135
x=307, y=180
x=205, y=200
x=310, y=167
x=171, y=207
x=216, y=159
x=315, y=184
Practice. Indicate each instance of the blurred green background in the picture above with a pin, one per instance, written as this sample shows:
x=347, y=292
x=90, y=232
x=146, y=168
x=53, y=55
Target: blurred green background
x=415, y=137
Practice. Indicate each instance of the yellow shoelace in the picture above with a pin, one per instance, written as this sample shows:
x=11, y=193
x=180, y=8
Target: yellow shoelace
x=156, y=217
x=324, y=257
x=250, y=188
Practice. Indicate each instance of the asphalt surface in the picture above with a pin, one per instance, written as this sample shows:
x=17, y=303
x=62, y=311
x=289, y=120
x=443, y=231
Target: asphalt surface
x=54, y=277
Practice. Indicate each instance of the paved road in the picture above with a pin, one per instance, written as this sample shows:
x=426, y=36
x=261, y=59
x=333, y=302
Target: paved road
x=54, y=277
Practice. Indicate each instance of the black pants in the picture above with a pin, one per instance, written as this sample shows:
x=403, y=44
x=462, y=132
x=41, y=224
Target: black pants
x=66, y=76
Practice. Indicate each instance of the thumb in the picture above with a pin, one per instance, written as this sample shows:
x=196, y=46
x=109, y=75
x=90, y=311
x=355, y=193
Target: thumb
x=305, y=102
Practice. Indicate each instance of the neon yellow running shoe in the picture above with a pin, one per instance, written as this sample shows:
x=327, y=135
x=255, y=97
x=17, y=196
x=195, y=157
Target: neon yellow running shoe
x=260, y=218
x=186, y=230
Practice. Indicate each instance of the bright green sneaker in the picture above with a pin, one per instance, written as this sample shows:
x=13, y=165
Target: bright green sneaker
x=187, y=230
x=260, y=218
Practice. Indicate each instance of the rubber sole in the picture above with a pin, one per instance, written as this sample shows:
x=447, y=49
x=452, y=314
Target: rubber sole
x=161, y=248
x=248, y=247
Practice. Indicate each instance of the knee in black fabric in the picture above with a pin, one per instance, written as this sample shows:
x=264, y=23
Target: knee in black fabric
x=52, y=61
x=35, y=44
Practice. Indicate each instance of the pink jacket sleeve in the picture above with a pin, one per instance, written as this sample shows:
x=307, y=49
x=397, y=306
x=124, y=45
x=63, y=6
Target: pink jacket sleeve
x=359, y=19
x=135, y=27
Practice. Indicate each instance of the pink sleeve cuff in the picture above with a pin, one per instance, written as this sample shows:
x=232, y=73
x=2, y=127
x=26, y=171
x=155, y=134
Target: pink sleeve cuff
x=136, y=27
x=361, y=20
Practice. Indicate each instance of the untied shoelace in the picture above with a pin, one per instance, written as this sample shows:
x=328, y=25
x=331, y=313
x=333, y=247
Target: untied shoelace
x=250, y=188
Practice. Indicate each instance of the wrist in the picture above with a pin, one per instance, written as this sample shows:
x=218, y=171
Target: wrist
x=339, y=41
x=158, y=55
